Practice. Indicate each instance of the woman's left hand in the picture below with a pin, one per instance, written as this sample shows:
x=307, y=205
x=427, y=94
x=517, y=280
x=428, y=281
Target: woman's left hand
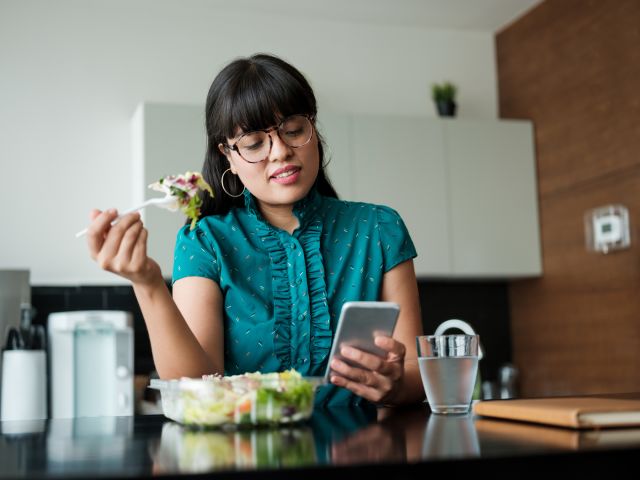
x=376, y=379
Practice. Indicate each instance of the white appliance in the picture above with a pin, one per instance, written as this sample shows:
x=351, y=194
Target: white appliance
x=91, y=363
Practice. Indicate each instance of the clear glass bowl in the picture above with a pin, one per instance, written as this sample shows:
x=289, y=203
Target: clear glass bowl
x=187, y=450
x=250, y=399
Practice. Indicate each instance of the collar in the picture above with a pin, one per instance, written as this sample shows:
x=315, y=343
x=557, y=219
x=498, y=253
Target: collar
x=304, y=209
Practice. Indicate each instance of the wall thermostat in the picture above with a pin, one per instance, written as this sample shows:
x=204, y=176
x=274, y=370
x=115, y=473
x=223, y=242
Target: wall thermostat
x=607, y=228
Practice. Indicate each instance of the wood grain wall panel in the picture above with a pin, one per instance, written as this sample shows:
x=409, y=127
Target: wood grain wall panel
x=572, y=66
x=577, y=329
x=567, y=343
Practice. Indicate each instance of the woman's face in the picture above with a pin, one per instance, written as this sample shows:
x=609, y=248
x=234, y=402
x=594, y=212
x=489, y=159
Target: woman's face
x=284, y=177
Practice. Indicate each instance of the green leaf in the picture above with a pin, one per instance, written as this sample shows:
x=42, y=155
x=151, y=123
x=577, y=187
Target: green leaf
x=443, y=91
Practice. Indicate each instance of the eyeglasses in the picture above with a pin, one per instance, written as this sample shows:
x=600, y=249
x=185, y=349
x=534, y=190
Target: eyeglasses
x=255, y=146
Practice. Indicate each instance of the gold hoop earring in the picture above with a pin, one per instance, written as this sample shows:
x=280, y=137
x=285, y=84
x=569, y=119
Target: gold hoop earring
x=225, y=190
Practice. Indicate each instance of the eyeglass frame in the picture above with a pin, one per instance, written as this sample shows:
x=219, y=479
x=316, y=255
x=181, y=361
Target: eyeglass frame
x=309, y=117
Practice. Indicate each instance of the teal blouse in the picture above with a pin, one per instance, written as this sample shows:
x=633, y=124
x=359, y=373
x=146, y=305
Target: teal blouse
x=283, y=292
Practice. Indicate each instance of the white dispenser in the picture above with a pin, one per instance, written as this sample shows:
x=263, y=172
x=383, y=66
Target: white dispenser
x=24, y=396
x=15, y=290
x=91, y=359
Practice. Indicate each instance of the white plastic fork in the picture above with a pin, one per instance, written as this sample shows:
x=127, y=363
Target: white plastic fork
x=158, y=202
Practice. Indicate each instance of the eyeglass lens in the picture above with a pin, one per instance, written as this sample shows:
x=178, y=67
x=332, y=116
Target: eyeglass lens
x=295, y=131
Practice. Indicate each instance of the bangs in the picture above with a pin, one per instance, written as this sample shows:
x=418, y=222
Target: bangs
x=261, y=97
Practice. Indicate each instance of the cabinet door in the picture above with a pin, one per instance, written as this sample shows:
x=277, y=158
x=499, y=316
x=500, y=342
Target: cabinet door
x=399, y=162
x=168, y=140
x=493, y=199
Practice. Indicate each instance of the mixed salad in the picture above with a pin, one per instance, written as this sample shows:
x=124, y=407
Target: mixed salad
x=187, y=450
x=248, y=399
x=185, y=189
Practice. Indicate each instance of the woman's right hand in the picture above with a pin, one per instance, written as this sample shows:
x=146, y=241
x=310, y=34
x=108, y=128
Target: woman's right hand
x=121, y=248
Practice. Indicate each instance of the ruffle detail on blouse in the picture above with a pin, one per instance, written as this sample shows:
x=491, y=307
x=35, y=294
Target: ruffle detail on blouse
x=281, y=294
x=317, y=326
x=280, y=282
x=321, y=334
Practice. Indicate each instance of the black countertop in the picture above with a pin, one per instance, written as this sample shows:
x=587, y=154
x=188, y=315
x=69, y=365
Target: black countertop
x=340, y=443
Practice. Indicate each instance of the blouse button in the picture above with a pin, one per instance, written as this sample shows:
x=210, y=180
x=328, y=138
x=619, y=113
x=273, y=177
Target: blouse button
x=292, y=246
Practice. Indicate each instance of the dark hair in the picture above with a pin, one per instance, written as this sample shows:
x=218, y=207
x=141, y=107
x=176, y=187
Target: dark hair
x=248, y=93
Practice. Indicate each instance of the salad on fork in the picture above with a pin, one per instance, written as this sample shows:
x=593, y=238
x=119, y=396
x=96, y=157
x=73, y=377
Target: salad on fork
x=183, y=189
x=181, y=193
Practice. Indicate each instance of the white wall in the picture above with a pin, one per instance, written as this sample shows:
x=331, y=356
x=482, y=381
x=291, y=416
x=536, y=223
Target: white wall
x=73, y=71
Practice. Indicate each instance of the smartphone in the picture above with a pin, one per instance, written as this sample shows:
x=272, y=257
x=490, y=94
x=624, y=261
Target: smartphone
x=358, y=324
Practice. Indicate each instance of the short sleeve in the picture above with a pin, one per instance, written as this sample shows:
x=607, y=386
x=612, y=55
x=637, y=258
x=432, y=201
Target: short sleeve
x=194, y=255
x=395, y=240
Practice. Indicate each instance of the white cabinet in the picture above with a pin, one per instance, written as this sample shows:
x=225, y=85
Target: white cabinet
x=465, y=189
x=167, y=139
x=492, y=198
x=400, y=162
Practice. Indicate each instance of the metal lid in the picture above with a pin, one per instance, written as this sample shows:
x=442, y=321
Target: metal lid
x=462, y=325
x=69, y=321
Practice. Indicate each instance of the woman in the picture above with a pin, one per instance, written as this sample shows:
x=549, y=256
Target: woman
x=259, y=283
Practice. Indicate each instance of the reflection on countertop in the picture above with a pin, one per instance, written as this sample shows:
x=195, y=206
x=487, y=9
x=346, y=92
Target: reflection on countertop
x=405, y=438
x=182, y=449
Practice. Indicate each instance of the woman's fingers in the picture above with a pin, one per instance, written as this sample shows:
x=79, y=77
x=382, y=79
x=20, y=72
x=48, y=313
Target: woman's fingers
x=94, y=213
x=360, y=375
x=127, y=245
x=97, y=230
x=375, y=392
x=367, y=360
x=113, y=241
x=369, y=375
x=395, y=353
x=139, y=254
x=396, y=350
x=381, y=377
x=121, y=248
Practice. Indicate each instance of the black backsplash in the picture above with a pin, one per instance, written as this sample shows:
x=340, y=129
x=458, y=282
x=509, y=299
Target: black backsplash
x=484, y=305
x=48, y=300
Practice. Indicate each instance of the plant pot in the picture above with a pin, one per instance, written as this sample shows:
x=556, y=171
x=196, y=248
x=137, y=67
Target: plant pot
x=446, y=108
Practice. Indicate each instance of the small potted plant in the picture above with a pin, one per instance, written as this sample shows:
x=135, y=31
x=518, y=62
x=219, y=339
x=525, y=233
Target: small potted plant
x=444, y=96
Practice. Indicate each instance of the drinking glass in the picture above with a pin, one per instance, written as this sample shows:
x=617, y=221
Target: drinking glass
x=450, y=436
x=448, y=367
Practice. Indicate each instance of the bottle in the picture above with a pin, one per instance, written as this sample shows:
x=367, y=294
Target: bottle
x=508, y=377
x=488, y=390
x=24, y=384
